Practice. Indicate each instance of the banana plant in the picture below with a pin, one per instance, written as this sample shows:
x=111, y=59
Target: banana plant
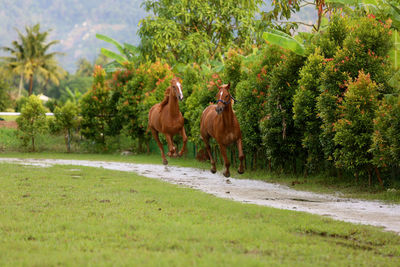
x=127, y=53
x=285, y=41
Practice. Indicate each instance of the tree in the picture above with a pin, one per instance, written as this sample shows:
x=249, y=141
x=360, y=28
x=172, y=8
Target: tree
x=305, y=110
x=65, y=120
x=185, y=31
x=280, y=138
x=84, y=68
x=353, y=130
x=30, y=57
x=32, y=121
x=4, y=97
x=16, y=61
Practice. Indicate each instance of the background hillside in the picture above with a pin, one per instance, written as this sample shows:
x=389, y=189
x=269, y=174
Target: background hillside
x=74, y=23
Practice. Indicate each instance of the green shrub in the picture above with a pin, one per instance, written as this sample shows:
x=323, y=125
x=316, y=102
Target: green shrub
x=365, y=48
x=251, y=94
x=5, y=100
x=66, y=121
x=32, y=121
x=353, y=130
x=232, y=70
x=281, y=140
x=305, y=112
x=203, y=95
x=386, y=137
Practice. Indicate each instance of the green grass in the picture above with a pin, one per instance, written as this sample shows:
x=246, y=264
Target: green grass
x=71, y=216
x=51, y=146
x=9, y=117
x=323, y=184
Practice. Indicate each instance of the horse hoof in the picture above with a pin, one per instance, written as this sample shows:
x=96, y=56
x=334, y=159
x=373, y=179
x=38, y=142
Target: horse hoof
x=240, y=171
x=165, y=162
x=227, y=174
x=213, y=170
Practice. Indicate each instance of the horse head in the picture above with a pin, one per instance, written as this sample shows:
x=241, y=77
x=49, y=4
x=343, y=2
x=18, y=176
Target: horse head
x=177, y=88
x=223, y=98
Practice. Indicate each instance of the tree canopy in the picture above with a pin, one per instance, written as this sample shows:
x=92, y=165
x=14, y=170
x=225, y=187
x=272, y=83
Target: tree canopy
x=184, y=31
x=30, y=56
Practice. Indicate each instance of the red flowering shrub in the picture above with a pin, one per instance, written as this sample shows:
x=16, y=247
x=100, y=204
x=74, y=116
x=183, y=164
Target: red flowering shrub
x=354, y=128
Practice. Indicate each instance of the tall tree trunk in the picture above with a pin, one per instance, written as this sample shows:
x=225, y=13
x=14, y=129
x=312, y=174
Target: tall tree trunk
x=30, y=84
x=21, y=84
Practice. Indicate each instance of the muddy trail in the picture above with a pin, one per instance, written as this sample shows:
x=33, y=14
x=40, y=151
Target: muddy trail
x=374, y=213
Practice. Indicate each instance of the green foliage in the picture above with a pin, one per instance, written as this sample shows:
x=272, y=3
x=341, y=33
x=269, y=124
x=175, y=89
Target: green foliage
x=84, y=68
x=5, y=100
x=285, y=41
x=365, y=48
x=354, y=128
x=65, y=121
x=203, y=95
x=251, y=94
x=32, y=121
x=233, y=69
x=305, y=114
x=30, y=57
x=331, y=39
x=280, y=138
x=187, y=31
x=127, y=53
x=386, y=137
x=72, y=88
x=95, y=109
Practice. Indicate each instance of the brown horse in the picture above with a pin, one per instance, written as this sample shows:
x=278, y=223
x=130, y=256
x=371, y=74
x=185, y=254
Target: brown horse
x=166, y=118
x=219, y=121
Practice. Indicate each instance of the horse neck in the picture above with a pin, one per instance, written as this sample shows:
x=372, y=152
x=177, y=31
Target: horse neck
x=173, y=105
x=227, y=115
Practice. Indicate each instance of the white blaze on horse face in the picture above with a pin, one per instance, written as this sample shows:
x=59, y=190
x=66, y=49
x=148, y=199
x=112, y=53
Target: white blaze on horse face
x=180, y=89
x=220, y=96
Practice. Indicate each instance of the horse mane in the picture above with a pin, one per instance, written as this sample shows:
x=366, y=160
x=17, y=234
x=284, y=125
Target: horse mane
x=165, y=101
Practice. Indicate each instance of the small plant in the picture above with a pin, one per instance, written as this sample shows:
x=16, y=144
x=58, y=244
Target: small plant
x=32, y=121
x=65, y=121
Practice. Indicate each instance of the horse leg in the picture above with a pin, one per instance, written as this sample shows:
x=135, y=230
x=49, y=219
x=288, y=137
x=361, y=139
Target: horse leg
x=208, y=148
x=226, y=160
x=184, y=139
x=171, y=147
x=155, y=135
x=241, y=155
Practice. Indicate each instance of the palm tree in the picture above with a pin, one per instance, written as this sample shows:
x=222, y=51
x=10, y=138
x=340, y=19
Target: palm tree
x=16, y=61
x=30, y=56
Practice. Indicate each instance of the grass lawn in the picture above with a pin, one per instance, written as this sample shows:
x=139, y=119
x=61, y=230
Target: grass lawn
x=88, y=216
x=320, y=183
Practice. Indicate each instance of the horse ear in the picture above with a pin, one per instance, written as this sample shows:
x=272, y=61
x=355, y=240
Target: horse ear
x=229, y=86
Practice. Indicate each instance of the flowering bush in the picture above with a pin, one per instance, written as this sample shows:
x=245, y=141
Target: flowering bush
x=251, y=93
x=354, y=128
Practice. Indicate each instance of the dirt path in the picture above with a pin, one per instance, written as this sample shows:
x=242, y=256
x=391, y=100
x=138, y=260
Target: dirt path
x=251, y=191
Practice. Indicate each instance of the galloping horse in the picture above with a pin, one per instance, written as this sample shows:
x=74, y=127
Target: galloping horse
x=219, y=121
x=166, y=118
